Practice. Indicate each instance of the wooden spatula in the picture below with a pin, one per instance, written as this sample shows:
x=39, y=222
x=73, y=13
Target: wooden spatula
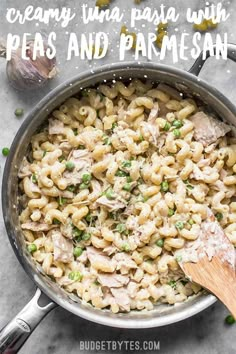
x=210, y=262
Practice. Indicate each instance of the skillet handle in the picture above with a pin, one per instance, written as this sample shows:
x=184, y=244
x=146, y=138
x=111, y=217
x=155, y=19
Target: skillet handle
x=15, y=333
x=197, y=66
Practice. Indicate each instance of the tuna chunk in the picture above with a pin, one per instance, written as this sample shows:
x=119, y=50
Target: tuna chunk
x=208, y=129
x=74, y=177
x=37, y=226
x=153, y=114
x=67, y=229
x=122, y=298
x=63, y=248
x=65, y=281
x=124, y=262
x=89, y=138
x=55, y=127
x=132, y=289
x=32, y=186
x=112, y=205
x=110, y=250
x=82, y=162
x=145, y=231
x=132, y=222
x=151, y=131
x=113, y=280
x=65, y=146
x=24, y=170
x=99, y=261
x=79, y=155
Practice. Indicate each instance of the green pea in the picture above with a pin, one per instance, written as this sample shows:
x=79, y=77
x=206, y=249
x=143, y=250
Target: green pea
x=160, y=242
x=88, y=217
x=34, y=178
x=86, y=236
x=164, y=186
x=32, y=248
x=19, y=112
x=56, y=222
x=77, y=251
x=126, y=247
x=171, y=212
x=191, y=222
x=86, y=178
x=177, y=133
x=110, y=194
x=70, y=165
x=121, y=173
x=71, y=188
x=120, y=228
x=229, y=320
x=179, y=225
x=127, y=187
x=129, y=179
x=172, y=283
x=61, y=158
x=76, y=232
x=76, y=276
x=114, y=125
x=5, y=151
x=177, y=123
x=178, y=258
x=83, y=186
x=167, y=126
x=219, y=216
x=126, y=163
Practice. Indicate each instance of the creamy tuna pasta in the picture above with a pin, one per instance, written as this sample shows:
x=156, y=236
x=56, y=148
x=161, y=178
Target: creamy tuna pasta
x=118, y=180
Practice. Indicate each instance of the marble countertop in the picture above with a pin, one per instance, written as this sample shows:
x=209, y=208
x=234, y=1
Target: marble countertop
x=60, y=332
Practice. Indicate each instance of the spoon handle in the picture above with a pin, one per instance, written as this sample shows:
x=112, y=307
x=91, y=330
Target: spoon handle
x=216, y=276
x=228, y=296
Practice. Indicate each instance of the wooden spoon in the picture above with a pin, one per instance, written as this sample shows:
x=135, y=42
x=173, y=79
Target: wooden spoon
x=213, y=262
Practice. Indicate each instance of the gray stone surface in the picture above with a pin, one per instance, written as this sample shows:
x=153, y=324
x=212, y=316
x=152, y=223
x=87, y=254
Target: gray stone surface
x=61, y=331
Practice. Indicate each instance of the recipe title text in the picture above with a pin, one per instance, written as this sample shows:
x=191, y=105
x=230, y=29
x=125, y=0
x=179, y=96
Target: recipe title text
x=96, y=45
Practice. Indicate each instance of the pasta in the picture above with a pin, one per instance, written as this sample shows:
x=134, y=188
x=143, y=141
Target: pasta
x=119, y=179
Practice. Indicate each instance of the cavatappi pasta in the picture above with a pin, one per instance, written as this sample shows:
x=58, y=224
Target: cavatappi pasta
x=117, y=182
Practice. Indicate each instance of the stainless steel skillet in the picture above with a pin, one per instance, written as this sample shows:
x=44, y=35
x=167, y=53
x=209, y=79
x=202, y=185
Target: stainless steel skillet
x=16, y=332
